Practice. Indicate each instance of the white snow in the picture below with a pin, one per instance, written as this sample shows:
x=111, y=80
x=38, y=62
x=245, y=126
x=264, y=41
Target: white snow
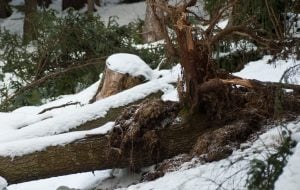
x=289, y=180
x=125, y=13
x=78, y=181
x=171, y=95
x=62, y=120
x=230, y=172
x=24, y=130
x=272, y=72
x=3, y=183
x=129, y=63
x=27, y=146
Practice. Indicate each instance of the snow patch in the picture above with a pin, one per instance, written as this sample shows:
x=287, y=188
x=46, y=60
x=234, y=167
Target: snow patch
x=270, y=72
x=289, y=179
x=3, y=183
x=129, y=63
x=27, y=146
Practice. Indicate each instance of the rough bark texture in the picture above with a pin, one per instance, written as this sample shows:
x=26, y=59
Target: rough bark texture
x=5, y=10
x=29, y=27
x=197, y=65
x=44, y=3
x=76, y=4
x=98, y=2
x=115, y=82
x=146, y=134
x=94, y=153
x=152, y=30
x=112, y=114
x=91, y=6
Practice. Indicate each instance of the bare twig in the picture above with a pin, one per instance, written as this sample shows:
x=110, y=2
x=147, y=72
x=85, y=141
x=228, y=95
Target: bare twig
x=60, y=106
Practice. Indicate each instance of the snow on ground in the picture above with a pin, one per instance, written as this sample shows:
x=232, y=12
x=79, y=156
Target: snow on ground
x=26, y=123
x=230, y=172
x=29, y=127
x=3, y=183
x=125, y=13
x=272, y=72
x=290, y=177
x=79, y=181
x=27, y=146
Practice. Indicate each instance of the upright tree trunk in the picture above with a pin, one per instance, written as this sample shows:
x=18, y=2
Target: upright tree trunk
x=197, y=65
x=98, y=2
x=44, y=3
x=5, y=10
x=152, y=30
x=91, y=6
x=76, y=4
x=29, y=26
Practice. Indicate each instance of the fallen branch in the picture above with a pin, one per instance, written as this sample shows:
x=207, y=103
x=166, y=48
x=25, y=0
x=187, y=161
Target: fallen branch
x=256, y=84
x=242, y=82
x=60, y=106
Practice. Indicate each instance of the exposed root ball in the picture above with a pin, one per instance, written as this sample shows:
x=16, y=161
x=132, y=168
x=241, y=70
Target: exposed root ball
x=169, y=165
x=136, y=127
x=218, y=144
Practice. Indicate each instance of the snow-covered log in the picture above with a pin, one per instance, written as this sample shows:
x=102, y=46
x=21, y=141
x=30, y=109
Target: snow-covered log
x=95, y=153
x=150, y=137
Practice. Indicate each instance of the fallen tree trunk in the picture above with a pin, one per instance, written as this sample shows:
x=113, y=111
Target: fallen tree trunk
x=146, y=134
x=94, y=153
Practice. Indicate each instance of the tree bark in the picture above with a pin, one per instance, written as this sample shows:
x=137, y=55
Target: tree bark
x=5, y=10
x=197, y=64
x=98, y=2
x=76, y=4
x=144, y=140
x=152, y=30
x=91, y=6
x=94, y=153
x=29, y=33
x=115, y=82
x=44, y=3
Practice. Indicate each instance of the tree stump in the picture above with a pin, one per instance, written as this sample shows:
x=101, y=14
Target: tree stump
x=122, y=71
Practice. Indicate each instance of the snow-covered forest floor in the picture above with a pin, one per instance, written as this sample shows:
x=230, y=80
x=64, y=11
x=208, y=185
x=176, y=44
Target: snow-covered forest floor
x=37, y=131
x=27, y=129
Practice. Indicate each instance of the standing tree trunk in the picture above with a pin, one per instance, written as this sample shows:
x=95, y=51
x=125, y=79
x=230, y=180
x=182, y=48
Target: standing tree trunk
x=5, y=10
x=76, y=4
x=29, y=27
x=152, y=30
x=197, y=65
x=98, y=2
x=91, y=6
x=44, y=3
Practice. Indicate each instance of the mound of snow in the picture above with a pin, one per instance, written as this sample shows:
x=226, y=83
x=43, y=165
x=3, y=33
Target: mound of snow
x=3, y=183
x=289, y=179
x=270, y=72
x=129, y=63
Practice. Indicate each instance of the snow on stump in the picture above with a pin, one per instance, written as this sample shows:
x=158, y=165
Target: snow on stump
x=122, y=72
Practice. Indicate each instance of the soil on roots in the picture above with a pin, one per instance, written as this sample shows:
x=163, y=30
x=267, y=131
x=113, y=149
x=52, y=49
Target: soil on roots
x=228, y=115
x=137, y=125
